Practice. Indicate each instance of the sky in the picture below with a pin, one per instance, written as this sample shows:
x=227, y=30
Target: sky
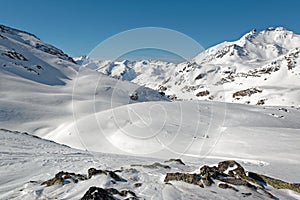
x=77, y=26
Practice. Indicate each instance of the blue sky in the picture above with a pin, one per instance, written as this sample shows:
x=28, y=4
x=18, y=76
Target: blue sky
x=77, y=26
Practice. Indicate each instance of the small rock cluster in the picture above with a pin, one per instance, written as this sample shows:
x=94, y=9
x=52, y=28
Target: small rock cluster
x=231, y=174
x=227, y=174
x=155, y=165
x=178, y=161
x=15, y=55
x=64, y=177
x=188, y=178
x=97, y=193
x=202, y=93
x=247, y=92
x=92, y=172
x=134, y=96
x=94, y=193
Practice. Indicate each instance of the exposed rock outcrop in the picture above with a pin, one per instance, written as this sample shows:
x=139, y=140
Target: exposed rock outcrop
x=97, y=193
x=188, y=178
x=230, y=174
x=92, y=172
x=155, y=165
x=179, y=161
x=247, y=92
x=63, y=178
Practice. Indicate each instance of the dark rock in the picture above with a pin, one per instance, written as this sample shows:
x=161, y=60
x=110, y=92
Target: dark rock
x=96, y=193
x=14, y=55
x=209, y=173
x=247, y=92
x=223, y=185
x=137, y=184
x=200, y=76
x=257, y=178
x=124, y=193
x=188, y=178
x=260, y=102
x=2, y=37
x=115, y=176
x=238, y=182
x=107, y=194
x=179, y=161
x=203, y=93
x=112, y=191
x=61, y=177
x=269, y=195
x=232, y=173
x=155, y=165
x=162, y=93
x=226, y=186
x=279, y=184
x=93, y=172
x=206, y=171
x=237, y=172
x=211, y=97
x=172, y=97
x=118, y=170
x=13, y=31
x=162, y=88
x=283, y=109
x=246, y=194
x=134, y=96
x=207, y=181
x=39, y=67
x=54, y=51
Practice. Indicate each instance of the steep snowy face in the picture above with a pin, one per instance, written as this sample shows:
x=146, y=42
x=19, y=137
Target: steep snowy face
x=25, y=55
x=254, y=47
x=41, y=88
x=259, y=68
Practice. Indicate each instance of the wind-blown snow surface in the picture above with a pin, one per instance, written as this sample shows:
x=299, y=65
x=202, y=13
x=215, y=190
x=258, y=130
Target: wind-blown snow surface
x=27, y=161
x=267, y=60
x=44, y=93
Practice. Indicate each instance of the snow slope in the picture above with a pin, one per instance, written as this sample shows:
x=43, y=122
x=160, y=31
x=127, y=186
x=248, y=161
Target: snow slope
x=261, y=135
x=41, y=88
x=24, y=55
x=22, y=173
x=88, y=110
x=267, y=60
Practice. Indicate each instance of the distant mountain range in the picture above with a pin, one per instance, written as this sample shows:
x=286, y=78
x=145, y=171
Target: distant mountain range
x=259, y=68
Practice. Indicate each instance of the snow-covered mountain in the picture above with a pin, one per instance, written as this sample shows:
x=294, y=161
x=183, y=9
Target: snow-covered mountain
x=259, y=68
x=41, y=87
x=25, y=55
x=44, y=93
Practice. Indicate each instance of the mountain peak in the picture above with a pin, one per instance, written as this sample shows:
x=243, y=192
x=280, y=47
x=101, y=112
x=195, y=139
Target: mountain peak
x=33, y=41
x=25, y=55
x=262, y=64
x=14, y=31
